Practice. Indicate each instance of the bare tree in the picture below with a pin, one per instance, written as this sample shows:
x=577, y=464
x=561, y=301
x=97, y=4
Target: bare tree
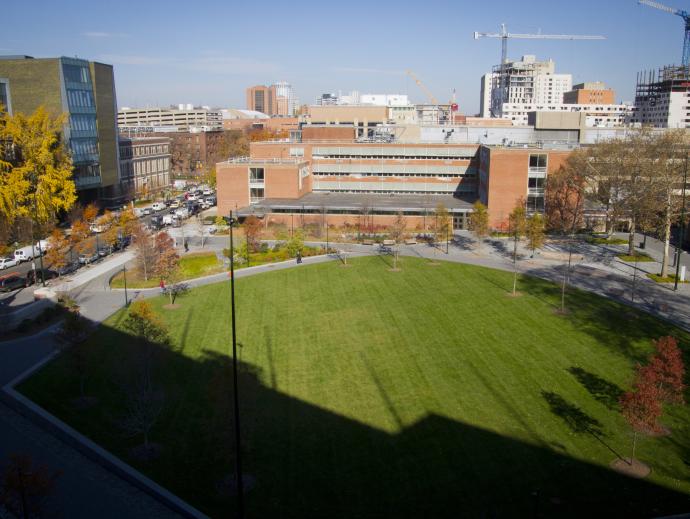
x=145, y=250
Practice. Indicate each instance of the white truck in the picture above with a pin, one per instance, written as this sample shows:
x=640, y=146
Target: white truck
x=167, y=219
x=158, y=206
x=182, y=213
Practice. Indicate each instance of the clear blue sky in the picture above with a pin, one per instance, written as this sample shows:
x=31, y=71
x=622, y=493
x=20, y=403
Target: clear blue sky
x=208, y=52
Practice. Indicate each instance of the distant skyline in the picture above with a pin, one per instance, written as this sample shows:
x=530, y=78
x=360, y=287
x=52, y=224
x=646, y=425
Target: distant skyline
x=207, y=53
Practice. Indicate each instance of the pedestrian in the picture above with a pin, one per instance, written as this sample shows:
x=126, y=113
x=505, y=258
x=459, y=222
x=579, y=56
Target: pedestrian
x=162, y=285
x=299, y=257
x=186, y=246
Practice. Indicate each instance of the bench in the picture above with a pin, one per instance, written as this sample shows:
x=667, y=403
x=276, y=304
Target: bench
x=367, y=242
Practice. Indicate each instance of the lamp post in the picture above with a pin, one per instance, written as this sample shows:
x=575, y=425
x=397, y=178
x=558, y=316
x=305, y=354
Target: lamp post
x=238, y=455
x=681, y=230
x=124, y=275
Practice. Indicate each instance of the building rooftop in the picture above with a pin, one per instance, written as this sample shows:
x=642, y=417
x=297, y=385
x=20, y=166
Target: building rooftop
x=356, y=202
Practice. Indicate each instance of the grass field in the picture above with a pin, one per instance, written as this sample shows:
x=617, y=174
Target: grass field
x=194, y=265
x=369, y=393
x=640, y=257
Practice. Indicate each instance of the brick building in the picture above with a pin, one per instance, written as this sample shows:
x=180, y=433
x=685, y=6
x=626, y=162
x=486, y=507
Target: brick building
x=195, y=153
x=344, y=181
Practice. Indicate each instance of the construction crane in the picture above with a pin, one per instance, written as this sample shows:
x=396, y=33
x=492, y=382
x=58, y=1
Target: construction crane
x=423, y=87
x=505, y=35
x=686, y=18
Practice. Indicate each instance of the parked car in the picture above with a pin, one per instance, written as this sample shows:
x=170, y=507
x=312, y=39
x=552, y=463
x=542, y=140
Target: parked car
x=174, y=204
x=103, y=252
x=85, y=259
x=138, y=212
x=38, y=275
x=148, y=210
x=211, y=200
x=68, y=269
x=207, y=192
x=12, y=282
x=6, y=263
x=97, y=229
x=158, y=206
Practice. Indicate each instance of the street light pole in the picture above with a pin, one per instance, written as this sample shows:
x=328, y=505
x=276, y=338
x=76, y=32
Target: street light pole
x=682, y=226
x=238, y=458
x=124, y=275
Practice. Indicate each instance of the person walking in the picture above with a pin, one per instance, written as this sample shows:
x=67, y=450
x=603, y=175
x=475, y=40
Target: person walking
x=299, y=257
x=162, y=285
x=186, y=246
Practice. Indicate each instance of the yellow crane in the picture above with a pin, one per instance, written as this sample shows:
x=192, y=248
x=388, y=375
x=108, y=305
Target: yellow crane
x=423, y=87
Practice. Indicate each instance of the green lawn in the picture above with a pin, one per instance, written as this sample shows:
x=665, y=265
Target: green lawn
x=369, y=393
x=192, y=266
x=640, y=257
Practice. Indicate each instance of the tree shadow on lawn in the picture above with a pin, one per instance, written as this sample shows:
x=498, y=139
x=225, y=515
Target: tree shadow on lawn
x=463, y=242
x=308, y=461
x=601, y=389
x=611, y=323
x=576, y=419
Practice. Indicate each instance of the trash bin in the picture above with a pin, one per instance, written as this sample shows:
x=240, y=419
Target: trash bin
x=642, y=245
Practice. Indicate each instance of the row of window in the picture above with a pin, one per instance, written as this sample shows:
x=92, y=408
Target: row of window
x=462, y=189
x=364, y=212
x=413, y=175
x=392, y=157
x=83, y=122
x=80, y=99
x=84, y=146
x=76, y=74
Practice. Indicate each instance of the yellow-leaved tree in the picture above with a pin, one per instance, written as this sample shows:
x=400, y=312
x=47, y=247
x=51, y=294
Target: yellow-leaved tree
x=35, y=168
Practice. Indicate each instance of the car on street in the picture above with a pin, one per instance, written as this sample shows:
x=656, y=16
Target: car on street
x=174, y=204
x=103, y=252
x=85, y=259
x=148, y=210
x=96, y=229
x=68, y=268
x=12, y=282
x=6, y=263
x=38, y=275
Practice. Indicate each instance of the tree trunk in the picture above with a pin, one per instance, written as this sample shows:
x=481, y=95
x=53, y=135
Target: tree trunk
x=515, y=265
x=667, y=240
x=608, y=224
x=634, y=445
x=631, y=237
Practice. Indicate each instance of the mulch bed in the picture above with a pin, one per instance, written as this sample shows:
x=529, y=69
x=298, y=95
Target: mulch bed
x=634, y=469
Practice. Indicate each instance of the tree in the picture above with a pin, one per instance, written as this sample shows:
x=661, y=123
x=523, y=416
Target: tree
x=565, y=194
x=91, y=213
x=396, y=230
x=666, y=371
x=79, y=236
x=167, y=261
x=442, y=221
x=201, y=229
x=111, y=235
x=26, y=486
x=36, y=179
x=479, y=221
x=143, y=322
x=59, y=245
x=666, y=155
x=128, y=222
x=517, y=222
x=535, y=232
x=144, y=404
x=221, y=224
x=252, y=230
x=145, y=251
x=296, y=243
x=641, y=408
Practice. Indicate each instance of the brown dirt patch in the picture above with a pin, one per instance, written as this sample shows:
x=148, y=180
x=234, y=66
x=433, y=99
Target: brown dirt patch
x=394, y=270
x=516, y=294
x=559, y=311
x=171, y=307
x=634, y=468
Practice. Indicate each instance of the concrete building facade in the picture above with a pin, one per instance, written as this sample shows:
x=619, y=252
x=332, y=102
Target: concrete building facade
x=144, y=165
x=85, y=92
x=183, y=117
x=662, y=98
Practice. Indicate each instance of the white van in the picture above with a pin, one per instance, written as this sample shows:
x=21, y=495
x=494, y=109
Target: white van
x=158, y=206
x=24, y=254
x=182, y=213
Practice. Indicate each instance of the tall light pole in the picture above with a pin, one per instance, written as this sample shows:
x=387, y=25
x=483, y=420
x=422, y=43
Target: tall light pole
x=679, y=250
x=124, y=275
x=236, y=406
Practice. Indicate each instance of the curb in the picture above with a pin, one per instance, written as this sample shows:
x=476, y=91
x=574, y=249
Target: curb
x=87, y=447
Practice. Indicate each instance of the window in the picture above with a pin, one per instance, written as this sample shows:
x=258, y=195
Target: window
x=536, y=182
x=76, y=74
x=256, y=194
x=256, y=174
x=537, y=161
